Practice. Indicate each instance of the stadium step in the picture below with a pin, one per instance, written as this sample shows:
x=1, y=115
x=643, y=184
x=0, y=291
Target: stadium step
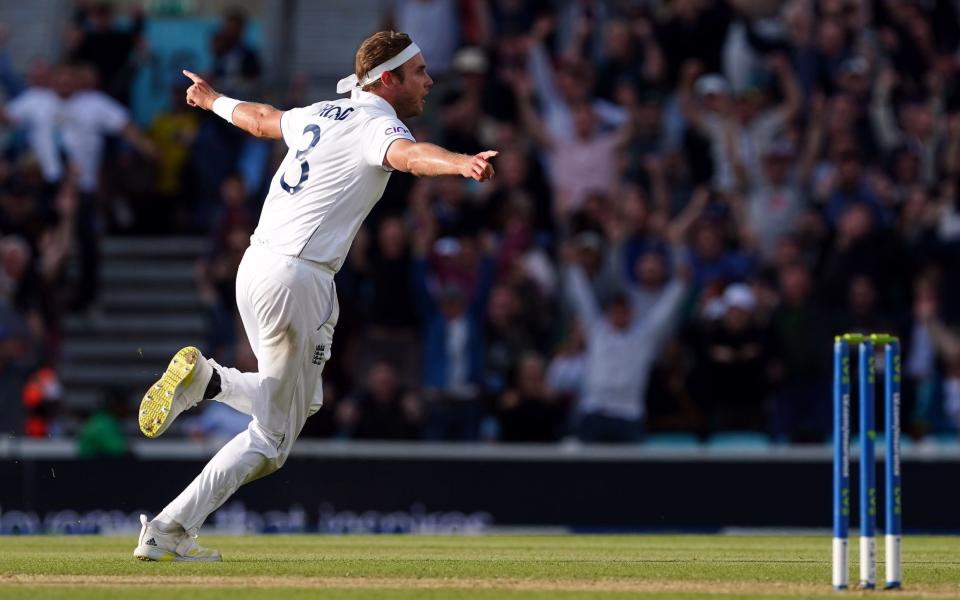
x=154, y=248
x=97, y=350
x=86, y=399
x=191, y=325
x=113, y=300
x=117, y=377
x=143, y=270
x=149, y=307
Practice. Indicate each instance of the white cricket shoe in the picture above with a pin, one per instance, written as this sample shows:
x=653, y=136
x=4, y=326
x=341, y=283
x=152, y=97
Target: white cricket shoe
x=181, y=387
x=179, y=545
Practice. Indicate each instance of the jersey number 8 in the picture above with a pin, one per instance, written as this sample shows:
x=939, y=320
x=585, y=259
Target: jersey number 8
x=313, y=130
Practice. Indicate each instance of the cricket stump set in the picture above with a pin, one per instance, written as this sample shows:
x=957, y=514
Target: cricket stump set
x=841, y=459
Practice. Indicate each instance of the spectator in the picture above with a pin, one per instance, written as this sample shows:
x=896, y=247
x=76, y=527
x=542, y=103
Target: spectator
x=934, y=342
x=628, y=44
x=715, y=263
x=621, y=346
x=36, y=111
x=797, y=367
x=583, y=164
x=173, y=132
x=741, y=129
x=528, y=411
x=562, y=89
x=390, y=315
x=467, y=108
x=921, y=124
x=861, y=249
x=508, y=336
x=236, y=65
x=102, y=434
x=43, y=401
x=383, y=410
x=95, y=39
x=850, y=187
x=731, y=364
x=452, y=319
x=774, y=200
x=520, y=194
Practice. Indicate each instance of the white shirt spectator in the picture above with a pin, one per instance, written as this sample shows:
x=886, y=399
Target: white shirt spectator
x=75, y=127
x=39, y=112
x=750, y=143
x=88, y=117
x=557, y=115
x=772, y=212
x=619, y=361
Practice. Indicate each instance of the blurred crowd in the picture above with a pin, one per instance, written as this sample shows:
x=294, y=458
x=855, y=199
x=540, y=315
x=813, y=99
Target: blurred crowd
x=692, y=197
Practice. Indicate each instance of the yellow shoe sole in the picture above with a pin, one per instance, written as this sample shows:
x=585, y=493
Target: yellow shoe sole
x=156, y=404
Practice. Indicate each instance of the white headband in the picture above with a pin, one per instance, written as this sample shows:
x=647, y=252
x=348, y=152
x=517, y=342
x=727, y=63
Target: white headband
x=350, y=82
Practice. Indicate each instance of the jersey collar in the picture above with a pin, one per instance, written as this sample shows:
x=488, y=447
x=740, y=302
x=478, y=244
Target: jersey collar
x=362, y=97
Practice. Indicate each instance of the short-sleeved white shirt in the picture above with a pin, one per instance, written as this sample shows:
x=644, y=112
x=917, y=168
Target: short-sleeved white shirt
x=75, y=126
x=88, y=117
x=331, y=177
x=39, y=112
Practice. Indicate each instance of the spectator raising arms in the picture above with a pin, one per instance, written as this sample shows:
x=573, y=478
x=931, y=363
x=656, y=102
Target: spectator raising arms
x=621, y=347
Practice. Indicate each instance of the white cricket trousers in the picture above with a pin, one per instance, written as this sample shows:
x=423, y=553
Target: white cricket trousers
x=289, y=309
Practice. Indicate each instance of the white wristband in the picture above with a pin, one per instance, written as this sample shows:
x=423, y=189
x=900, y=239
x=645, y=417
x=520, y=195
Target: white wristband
x=223, y=107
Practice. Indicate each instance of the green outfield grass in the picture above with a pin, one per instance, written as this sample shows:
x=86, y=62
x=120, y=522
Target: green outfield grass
x=362, y=567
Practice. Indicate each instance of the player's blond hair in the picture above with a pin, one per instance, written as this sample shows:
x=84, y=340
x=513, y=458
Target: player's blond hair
x=377, y=49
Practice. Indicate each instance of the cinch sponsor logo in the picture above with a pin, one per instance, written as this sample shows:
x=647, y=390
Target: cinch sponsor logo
x=396, y=131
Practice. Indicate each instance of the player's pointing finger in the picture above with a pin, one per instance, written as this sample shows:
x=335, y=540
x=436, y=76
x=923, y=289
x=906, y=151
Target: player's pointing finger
x=488, y=154
x=193, y=76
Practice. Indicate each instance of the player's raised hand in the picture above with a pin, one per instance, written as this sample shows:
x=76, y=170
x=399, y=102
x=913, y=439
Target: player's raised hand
x=478, y=166
x=200, y=93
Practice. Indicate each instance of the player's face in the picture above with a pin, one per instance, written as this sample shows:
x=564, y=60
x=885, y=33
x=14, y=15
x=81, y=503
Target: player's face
x=415, y=87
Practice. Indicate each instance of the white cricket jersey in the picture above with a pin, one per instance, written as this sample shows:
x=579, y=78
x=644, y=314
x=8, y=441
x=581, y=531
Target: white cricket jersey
x=331, y=177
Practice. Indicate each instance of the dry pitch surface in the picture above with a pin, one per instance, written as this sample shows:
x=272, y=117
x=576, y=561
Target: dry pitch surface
x=363, y=567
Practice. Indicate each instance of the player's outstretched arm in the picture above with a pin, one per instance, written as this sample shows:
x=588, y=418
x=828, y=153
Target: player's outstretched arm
x=428, y=160
x=260, y=120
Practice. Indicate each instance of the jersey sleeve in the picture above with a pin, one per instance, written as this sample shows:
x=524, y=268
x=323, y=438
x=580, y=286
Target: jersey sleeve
x=378, y=134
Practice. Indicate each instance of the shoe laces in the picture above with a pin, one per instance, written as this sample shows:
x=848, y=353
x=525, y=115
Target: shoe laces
x=188, y=545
